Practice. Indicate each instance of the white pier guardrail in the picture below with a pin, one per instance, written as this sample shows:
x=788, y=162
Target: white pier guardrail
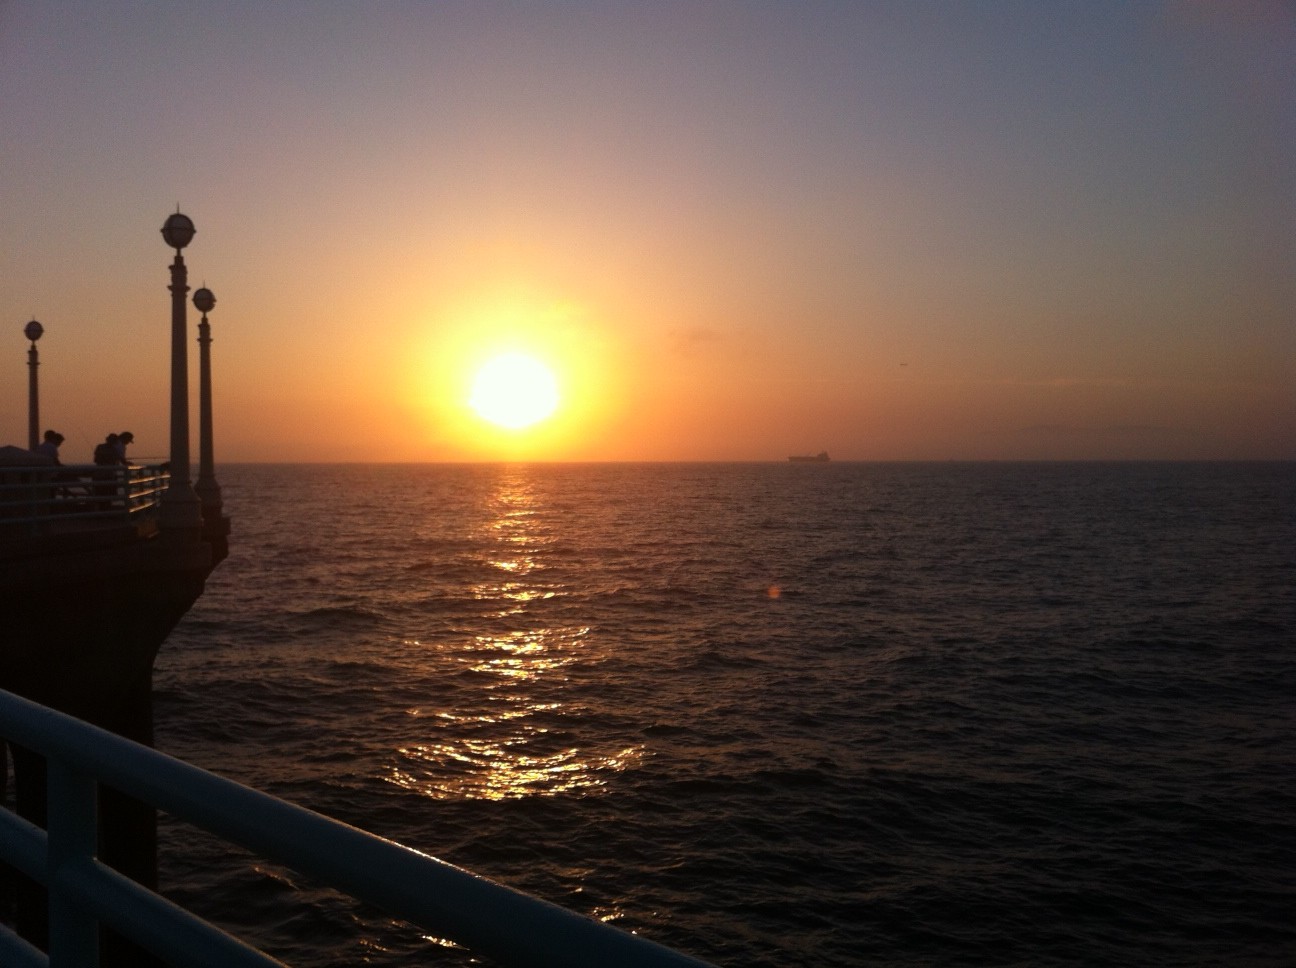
x=512, y=928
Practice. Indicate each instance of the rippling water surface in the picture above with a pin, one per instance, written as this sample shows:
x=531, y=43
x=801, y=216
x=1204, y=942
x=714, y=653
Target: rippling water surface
x=772, y=715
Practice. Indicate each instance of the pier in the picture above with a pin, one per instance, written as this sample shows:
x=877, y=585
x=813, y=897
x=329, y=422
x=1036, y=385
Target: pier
x=98, y=563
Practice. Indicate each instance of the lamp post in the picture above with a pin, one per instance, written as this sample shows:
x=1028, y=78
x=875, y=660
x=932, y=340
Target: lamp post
x=33, y=331
x=181, y=509
x=208, y=490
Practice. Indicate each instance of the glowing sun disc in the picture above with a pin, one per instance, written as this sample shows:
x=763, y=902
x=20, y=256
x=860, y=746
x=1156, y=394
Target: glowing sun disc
x=514, y=391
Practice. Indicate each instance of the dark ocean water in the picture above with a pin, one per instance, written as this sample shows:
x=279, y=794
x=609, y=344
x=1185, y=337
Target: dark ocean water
x=769, y=714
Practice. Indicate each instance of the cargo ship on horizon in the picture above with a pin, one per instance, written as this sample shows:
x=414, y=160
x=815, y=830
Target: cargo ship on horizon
x=819, y=458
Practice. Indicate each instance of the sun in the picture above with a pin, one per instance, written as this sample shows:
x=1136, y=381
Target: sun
x=514, y=391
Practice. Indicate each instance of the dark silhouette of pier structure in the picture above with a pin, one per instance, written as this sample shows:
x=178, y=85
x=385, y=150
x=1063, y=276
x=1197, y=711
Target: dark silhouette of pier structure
x=97, y=566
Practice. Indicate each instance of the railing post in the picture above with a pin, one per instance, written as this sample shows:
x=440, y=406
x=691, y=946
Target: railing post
x=71, y=825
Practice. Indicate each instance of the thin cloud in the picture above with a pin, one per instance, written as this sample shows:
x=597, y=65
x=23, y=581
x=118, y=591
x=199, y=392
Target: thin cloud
x=690, y=340
x=1105, y=430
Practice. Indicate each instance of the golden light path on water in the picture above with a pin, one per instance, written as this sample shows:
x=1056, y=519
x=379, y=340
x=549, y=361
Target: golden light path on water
x=496, y=745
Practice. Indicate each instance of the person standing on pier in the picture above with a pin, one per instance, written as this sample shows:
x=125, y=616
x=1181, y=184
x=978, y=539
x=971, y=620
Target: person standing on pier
x=106, y=453
x=50, y=446
x=123, y=440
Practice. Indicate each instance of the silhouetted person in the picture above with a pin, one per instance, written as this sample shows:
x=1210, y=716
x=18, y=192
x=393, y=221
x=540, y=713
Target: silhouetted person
x=107, y=452
x=50, y=445
x=106, y=455
x=124, y=439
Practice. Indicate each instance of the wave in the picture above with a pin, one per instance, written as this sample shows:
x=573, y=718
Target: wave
x=997, y=715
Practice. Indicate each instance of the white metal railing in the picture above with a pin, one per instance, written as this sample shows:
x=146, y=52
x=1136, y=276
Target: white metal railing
x=39, y=500
x=487, y=918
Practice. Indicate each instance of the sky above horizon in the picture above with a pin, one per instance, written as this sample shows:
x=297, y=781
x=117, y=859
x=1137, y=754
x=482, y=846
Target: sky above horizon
x=731, y=231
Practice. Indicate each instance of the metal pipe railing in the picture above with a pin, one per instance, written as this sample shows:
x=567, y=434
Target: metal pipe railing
x=37, y=500
x=485, y=917
x=17, y=953
x=107, y=897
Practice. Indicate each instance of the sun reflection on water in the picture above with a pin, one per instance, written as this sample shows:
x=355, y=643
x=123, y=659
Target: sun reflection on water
x=510, y=736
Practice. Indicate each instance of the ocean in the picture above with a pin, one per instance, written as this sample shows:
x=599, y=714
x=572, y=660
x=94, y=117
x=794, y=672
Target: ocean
x=774, y=714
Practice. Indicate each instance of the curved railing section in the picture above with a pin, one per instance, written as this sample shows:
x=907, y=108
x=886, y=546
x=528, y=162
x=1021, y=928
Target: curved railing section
x=487, y=918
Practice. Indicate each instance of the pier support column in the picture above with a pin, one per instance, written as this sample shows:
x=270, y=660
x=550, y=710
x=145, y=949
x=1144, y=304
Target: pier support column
x=95, y=662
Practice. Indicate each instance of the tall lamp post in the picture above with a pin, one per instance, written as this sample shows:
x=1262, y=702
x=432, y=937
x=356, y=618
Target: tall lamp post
x=181, y=509
x=208, y=490
x=33, y=331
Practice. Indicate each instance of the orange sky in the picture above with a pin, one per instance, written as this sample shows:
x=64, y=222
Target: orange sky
x=735, y=232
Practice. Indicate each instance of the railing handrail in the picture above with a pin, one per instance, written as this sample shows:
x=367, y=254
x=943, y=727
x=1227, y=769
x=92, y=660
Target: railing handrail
x=40, y=498
x=485, y=917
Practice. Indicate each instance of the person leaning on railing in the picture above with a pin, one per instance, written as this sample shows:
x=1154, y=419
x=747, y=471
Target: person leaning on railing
x=124, y=439
x=106, y=452
x=50, y=446
x=109, y=454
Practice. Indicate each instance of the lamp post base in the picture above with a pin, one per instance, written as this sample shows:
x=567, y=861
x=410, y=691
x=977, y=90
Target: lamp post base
x=181, y=511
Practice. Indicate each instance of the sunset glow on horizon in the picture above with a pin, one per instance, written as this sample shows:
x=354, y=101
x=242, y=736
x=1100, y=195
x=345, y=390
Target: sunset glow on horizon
x=729, y=232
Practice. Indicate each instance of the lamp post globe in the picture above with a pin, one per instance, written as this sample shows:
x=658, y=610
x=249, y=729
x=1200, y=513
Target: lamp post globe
x=204, y=301
x=33, y=331
x=178, y=231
